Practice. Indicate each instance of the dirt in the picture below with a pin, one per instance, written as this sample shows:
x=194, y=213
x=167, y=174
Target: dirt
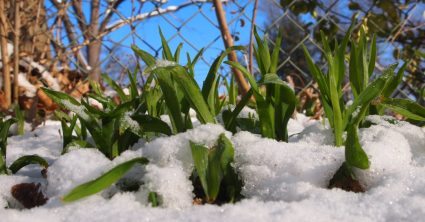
x=345, y=179
x=29, y=194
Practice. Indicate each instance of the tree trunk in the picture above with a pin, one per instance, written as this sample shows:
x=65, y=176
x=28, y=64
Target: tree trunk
x=34, y=34
x=4, y=56
x=95, y=46
x=93, y=52
x=16, y=43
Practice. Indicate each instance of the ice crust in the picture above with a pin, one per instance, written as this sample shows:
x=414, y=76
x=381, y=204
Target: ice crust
x=282, y=181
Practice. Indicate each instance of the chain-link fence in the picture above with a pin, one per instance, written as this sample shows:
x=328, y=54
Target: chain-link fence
x=192, y=23
x=89, y=35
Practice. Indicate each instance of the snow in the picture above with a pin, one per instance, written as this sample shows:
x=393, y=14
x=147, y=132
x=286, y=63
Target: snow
x=77, y=109
x=160, y=63
x=73, y=169
x=128, y=123
x=282, y=181
x=30, y=89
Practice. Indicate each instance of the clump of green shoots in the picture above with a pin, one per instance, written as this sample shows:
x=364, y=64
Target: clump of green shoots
x=219, y=180
x=114, y=128
x=169, y=89
x=178, y=88
x=21, y=161
x=369, y=96
x=276, y=104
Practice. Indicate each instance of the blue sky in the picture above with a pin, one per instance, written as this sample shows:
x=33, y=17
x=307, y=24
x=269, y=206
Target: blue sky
x=197, y=30
x=197, y=25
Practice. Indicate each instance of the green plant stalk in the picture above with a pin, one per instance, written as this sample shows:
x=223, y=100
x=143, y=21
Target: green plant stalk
x=4, y=131
x=20, y=120
x=337, y=115
x=153, y=199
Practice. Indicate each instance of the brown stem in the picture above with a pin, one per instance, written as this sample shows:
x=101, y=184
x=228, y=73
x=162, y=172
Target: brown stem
x=109, y=15
x=251, y=38
x=94, y=48
x=228, y=42
x=4, y=55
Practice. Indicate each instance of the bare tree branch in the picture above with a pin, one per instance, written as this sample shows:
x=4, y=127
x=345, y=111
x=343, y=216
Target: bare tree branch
x=77, y=5
x=94, y=17
x=159, y=11
x=109, y=15
x=69, y=32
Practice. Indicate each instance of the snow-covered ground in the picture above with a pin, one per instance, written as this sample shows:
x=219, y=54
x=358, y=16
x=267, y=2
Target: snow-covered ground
x=282, y=181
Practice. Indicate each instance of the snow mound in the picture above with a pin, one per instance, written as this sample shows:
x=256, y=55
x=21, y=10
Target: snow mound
x=282, y=171
x=282, y=181
x=74, y=168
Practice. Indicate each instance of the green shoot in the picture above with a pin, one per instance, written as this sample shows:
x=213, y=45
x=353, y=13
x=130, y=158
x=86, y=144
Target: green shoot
x=20, y=117
x=179, y=88
x=214, y=170
x=153, y=199
x=20, y=162
x=4, y=131
x=102, y=182
x=277, y=104
x=113, y=129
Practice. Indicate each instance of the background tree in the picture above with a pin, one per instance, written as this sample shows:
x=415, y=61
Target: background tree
x=87, y=23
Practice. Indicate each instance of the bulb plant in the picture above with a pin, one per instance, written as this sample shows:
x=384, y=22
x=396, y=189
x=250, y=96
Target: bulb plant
x=276, y=104
x=179, y=89
x=115, y=128
x=170, y=88
x=214, y=171
x=370, y=96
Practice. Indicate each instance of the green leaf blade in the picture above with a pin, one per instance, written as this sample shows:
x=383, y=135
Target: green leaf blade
x=200, y=160
x=102, y=182
x=405, y=107
x=354, y=154
x=27, y=160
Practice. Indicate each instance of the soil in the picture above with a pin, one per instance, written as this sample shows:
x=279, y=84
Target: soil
x=345, y=179
x=29, y=195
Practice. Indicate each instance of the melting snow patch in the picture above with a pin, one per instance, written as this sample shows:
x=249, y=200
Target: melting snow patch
x=282, y=181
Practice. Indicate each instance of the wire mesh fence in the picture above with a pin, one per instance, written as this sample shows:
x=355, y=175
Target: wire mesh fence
x=85, y=39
